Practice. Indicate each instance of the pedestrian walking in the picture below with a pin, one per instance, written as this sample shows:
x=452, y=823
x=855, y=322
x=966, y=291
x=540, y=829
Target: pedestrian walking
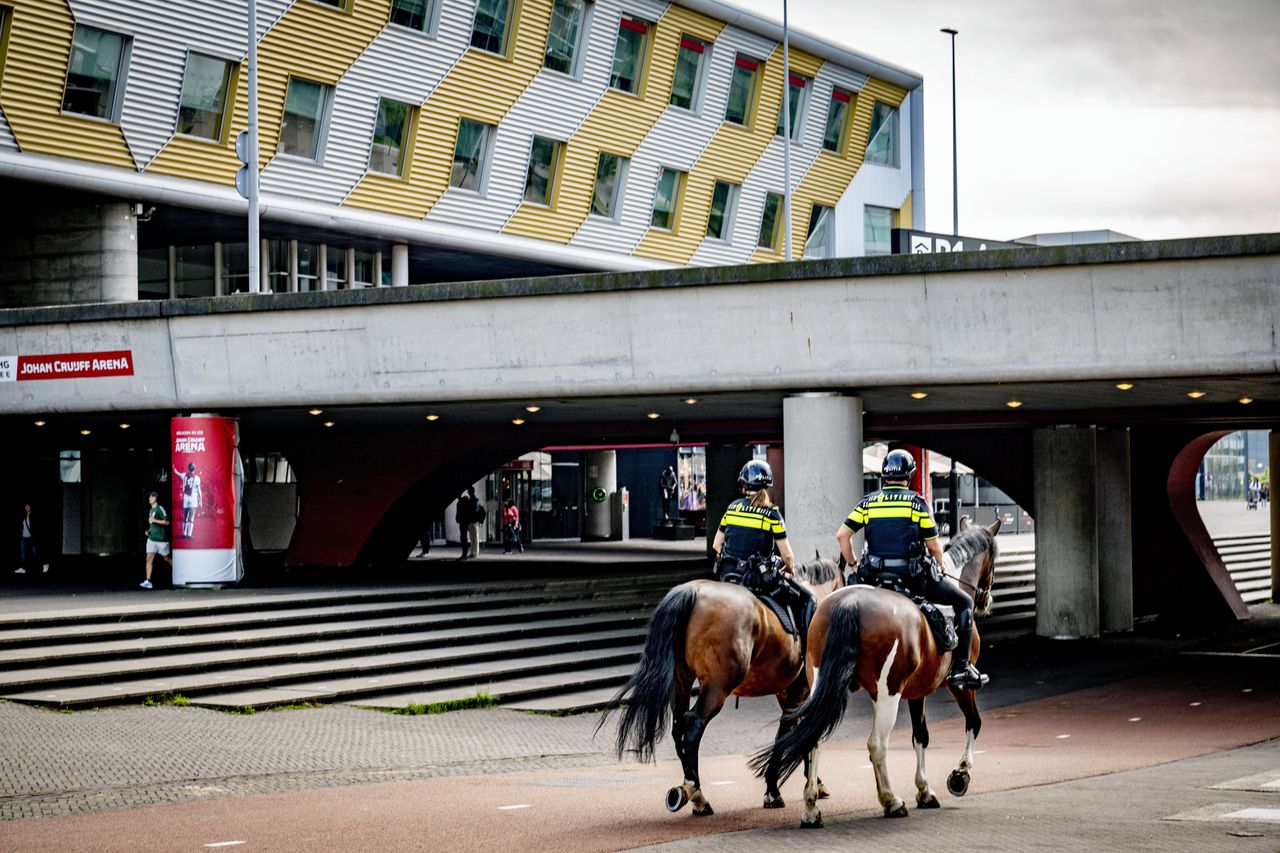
x=511, y=527
x=29, y=552
x=157, y=536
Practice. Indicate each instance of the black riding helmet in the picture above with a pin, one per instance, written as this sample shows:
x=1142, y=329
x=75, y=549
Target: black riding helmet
x=898, y=465
x=755, y=475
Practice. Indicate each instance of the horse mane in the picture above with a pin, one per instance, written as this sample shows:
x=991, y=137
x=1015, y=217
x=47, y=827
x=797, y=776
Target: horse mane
x=817, y=572
x=974, y=540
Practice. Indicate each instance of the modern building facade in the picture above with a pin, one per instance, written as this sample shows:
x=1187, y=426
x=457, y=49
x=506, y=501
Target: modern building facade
x=412, y=141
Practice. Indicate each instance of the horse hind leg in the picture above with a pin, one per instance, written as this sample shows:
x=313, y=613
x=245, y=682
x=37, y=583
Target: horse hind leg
x=925, y=797
x=886, y=712
x=693, y=725
x=958, y=781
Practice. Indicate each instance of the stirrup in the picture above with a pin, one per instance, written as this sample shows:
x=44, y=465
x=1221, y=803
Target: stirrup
x=967, y=677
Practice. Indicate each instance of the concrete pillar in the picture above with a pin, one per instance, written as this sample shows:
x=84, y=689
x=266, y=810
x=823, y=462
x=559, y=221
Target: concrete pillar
x=1065, y=461
x=724, y=462
x=1273, y=459
x=399, y=265
x=822, y=439
x=68, y=251
x=1115, y=530
x=600, y=471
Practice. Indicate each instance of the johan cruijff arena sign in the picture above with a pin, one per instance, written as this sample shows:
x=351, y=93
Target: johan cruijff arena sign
x=78, y=365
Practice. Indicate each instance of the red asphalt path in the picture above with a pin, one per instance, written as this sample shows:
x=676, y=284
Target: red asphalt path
x=1135, y=723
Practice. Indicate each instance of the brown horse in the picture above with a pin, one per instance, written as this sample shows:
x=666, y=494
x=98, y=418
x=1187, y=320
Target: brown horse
x=878, y=640
x=732, y=644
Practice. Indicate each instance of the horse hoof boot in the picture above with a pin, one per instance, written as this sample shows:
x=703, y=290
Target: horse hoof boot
x=774, y=802
x=677, y=797
x=705, y=811
x=816, y=823
x=958, y=783
x=896, y=809
x=929, y=802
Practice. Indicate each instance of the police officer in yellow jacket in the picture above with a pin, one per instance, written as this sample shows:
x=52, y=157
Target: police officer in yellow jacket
x=899, y=531
x=752, y=526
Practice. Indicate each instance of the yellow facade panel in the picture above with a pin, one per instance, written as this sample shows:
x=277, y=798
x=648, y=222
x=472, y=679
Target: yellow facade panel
x=481, y=86
x=32, y=89
x=288, y=49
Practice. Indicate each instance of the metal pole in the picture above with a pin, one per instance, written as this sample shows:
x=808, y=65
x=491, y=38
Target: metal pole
x=955, y=173
x=786, y=125
x=255, y=243
x=953, y=501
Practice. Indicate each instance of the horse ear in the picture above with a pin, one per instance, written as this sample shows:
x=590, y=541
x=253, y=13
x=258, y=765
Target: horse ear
x=817, y=555
x=964, y=523
x=994, y=527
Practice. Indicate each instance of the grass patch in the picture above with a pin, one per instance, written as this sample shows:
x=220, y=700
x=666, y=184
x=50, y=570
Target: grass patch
x=175, y=699
x=482, y=699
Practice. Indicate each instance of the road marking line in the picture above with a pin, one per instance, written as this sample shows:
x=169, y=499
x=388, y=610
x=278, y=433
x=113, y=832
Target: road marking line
x=722, y=783
x=1135, y=719
x=513, y=806
x=223, y=843
x=1063, y=737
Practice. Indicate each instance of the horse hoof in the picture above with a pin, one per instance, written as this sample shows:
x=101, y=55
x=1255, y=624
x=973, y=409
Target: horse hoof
x=823, y=793
x=677, y=797
x=958, y=783
x=816, y=823
x=929, y=802
x=898, y=810
x=705, y=811
x=774, y=803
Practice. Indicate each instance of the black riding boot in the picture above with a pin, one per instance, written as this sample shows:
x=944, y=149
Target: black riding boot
x=963, y=673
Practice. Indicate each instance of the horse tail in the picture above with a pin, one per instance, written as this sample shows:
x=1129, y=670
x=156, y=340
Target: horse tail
x=646, y=698
x=818, y=717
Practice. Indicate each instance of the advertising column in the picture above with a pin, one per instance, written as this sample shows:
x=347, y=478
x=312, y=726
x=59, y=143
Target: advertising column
x=206, y=501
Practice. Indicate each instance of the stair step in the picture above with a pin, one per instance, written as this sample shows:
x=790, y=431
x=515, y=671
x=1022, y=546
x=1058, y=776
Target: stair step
x=525, y=693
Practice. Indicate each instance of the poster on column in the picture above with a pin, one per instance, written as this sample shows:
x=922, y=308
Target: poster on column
x=205, y=514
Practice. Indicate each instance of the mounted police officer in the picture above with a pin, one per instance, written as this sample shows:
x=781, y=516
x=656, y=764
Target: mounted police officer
x=900, y=530
x=750, y=531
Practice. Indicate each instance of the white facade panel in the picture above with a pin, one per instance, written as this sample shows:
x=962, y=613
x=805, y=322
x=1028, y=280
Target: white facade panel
x=554, y=106
x=622, y=232
x=161, y=33
x=7, y=142
x=401, y=65
x=878, y=186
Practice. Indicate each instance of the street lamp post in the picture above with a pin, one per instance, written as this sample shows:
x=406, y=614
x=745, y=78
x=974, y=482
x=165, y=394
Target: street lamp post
x=955, y=175
x=786, y=128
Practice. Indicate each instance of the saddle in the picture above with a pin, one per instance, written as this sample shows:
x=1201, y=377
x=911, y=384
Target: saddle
x=790, y=602
x=944, y=632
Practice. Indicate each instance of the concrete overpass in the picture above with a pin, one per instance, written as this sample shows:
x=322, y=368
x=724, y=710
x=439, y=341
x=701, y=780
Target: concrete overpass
x=819, y=354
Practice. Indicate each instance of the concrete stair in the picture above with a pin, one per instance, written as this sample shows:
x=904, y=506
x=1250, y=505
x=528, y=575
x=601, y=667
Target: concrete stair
x=1248, y=559
x=383, y=648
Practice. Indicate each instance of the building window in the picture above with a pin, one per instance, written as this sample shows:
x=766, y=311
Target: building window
x=610, y=170
x=365, y=275
x=415, y=14
x=883, y=145
x=687, y=87
x=544, y=160
x=337, y=4
x=308, y=267
x=838, y=112
x=666, y=198
x=95, y=72
x=470, y=154
x=818, y=242
x=768, y=238
x=204, y=96
x=629, y=54
x=723, y=201
x=193, y=271
x=876, y=234
x=799, y=91
x=390, y=134
x=742, y=90
x=153, y=273
x=493, y=19
x=565, y=36
x=305, y=106
x=335, y=268
x=235, y=268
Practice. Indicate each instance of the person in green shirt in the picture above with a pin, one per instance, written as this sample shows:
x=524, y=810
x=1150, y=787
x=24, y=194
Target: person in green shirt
x=157, y=535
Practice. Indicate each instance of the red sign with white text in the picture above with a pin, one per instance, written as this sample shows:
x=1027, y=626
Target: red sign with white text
x=79, y=365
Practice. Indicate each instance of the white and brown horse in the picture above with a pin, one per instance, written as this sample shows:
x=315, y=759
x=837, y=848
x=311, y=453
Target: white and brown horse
x=727, y=640
x=877, y=640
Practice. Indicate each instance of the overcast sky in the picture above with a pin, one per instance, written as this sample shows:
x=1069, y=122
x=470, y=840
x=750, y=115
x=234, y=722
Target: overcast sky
x=1155, y=118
